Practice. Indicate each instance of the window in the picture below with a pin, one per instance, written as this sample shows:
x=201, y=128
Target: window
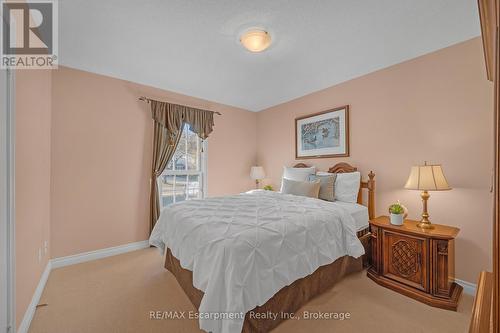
x=184, y=177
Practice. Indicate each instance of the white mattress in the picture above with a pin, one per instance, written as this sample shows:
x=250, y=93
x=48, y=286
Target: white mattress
x=358, y=212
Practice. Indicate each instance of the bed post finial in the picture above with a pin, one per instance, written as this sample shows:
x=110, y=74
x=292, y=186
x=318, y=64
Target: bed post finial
x=371, y=195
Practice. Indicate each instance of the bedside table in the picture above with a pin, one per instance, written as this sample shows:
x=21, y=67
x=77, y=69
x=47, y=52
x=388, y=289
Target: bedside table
x=415, y=262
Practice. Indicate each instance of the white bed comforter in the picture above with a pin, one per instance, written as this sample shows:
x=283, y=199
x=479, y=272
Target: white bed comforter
x=242, y=249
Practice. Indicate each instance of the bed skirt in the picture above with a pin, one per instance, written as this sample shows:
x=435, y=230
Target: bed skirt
x=286, y=301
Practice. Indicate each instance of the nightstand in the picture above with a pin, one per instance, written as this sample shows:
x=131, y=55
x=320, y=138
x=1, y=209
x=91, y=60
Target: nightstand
x=419, y=263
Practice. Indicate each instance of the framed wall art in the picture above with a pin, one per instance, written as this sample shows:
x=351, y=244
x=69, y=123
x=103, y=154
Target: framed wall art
x=323, y=134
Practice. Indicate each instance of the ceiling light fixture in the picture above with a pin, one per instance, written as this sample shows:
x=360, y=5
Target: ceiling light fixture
x=256, y=40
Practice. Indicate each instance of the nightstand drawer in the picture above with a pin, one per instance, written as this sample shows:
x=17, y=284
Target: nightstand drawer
x=405, y=259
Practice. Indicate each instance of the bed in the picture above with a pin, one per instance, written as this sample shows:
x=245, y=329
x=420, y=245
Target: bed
x=235, y=264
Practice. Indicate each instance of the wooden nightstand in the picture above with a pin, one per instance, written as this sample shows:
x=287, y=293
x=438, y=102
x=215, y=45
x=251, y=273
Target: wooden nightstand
x=415, y=262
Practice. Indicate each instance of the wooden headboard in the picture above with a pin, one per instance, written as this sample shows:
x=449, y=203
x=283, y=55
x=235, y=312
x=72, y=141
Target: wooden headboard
x=369, y=184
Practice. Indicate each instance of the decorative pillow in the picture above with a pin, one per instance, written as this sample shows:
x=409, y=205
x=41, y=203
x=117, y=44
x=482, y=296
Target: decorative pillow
x=327, y=185
x=298, y=174
x=347, y=186
x=305, y=189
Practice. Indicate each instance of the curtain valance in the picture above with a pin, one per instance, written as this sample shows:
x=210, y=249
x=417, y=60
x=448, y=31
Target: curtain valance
x=173, y=116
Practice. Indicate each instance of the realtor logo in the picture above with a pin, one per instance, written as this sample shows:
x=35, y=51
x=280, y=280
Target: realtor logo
x=29, y=34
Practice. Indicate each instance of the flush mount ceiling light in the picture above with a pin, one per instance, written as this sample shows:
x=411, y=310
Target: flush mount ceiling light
x=256, y=40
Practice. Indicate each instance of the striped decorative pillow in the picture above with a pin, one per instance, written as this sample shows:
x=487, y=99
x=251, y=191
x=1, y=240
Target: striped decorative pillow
x=327, y=185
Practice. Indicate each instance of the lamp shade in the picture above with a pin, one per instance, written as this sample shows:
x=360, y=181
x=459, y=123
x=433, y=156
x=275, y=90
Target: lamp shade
x=427, y=178
x=257, y=172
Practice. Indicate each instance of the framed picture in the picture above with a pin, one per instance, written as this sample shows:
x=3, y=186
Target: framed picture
x=323, y=134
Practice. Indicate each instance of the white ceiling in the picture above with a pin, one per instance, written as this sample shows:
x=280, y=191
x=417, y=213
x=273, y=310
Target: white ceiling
x=191, y=47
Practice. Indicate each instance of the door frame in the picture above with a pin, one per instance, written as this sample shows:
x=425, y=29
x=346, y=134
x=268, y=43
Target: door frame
x=489, y=15
x=7, y=204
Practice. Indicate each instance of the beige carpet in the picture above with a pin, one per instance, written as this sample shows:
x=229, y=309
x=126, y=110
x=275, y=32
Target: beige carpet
x=116, y=294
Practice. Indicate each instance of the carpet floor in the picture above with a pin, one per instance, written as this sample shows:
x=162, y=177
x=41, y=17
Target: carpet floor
x=117, y=294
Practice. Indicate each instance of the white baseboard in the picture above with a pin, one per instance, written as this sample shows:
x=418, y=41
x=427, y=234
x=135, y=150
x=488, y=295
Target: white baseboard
x=98, y=254
x=469, y=288
x=71, y=260
x=30, y=311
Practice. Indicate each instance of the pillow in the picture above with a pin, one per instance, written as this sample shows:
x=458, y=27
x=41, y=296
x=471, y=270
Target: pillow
x=298, y=174
x=347, y=186
x=327, y=185
x=305, y=189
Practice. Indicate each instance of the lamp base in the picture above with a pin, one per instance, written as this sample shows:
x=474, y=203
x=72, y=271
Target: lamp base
x=424, y=222
x=425, y=225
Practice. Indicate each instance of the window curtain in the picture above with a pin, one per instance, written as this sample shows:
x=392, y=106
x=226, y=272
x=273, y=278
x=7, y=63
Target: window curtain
x=169, y=120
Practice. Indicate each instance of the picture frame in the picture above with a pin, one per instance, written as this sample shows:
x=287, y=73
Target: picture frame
x=323, y=135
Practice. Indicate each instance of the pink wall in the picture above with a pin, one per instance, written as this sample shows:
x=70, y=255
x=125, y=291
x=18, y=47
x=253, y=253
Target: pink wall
x=101, y=155
x=33, y=113
x=438, y=108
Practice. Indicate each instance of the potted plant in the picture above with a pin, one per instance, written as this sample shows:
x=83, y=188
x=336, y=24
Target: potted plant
x=398, y=213
x=268, y=188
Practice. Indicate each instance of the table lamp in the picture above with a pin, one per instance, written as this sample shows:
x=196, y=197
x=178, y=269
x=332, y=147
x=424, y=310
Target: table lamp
x=257, y=173
x=426, y=178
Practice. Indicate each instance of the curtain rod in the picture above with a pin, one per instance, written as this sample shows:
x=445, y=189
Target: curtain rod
x=147, y=100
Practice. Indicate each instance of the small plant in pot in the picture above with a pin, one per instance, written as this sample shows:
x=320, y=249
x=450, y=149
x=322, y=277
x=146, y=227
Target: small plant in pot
x=398, y=213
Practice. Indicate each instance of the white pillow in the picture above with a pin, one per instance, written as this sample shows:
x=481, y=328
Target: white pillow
x=298, y=174
x=305, y=189
x=347, y=186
